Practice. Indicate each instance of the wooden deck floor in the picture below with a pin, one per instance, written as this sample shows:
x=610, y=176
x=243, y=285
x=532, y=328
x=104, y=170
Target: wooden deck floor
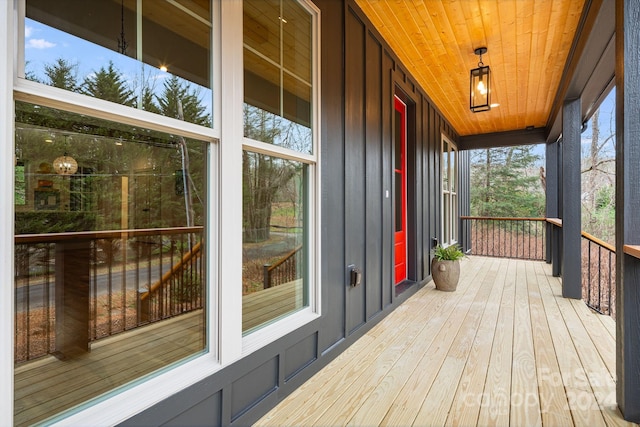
x=504, y=349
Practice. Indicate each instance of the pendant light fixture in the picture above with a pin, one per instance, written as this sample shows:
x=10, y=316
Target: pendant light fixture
x=480, y=90
x=65, y=165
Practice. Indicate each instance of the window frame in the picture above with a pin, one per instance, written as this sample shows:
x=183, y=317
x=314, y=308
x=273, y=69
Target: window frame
x=449, y=194
x=7, y=188
x=280, y=327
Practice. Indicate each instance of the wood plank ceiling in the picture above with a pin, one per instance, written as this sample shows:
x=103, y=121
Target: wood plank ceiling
x=528, y=43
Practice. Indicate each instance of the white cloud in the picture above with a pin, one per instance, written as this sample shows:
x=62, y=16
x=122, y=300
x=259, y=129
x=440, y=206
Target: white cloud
x=28, y=31
x=39, y=44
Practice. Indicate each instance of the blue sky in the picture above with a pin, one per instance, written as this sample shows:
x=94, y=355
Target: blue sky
x=44, y=45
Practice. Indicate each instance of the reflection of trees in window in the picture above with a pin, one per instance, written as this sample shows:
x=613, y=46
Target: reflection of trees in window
x=264, y=126
x=62, y=74
x=178, y=98
x=107, y=84
x=263, y=178
x=114, y=160
x=180, y=101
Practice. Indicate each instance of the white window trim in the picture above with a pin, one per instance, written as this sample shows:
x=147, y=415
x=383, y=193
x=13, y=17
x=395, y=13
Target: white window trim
x=7, y=72
x=453, y=208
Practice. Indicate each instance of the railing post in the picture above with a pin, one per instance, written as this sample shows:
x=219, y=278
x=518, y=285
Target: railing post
x=144, y=306
x=73, y=261
x=266, y=276
x=570, y=200
x=552, y=186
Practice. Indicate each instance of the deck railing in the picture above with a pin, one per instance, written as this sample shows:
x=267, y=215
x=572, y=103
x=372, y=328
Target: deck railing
x=91, y=285
x=505, y=237
x=598, y=274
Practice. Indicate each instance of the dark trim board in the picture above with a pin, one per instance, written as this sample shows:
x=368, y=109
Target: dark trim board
x=503, y=139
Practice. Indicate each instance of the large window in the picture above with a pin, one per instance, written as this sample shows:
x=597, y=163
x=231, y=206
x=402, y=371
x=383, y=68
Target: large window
x=279, y=172
x=449, y=167
x=132, y=204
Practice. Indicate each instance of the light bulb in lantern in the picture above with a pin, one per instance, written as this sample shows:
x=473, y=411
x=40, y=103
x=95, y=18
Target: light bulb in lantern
x=482, y=88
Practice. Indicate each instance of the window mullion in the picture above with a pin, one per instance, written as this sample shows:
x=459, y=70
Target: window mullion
x=7, y=214
x=229, y=246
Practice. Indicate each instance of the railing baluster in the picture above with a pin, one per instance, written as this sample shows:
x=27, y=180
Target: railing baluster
x=589, y=272
x=600, y=277
x=610, y=281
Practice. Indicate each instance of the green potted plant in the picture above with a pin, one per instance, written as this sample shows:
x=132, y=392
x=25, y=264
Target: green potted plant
x=445, y=267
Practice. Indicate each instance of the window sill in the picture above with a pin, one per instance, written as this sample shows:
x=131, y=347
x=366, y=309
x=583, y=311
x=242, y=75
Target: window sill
x=272, y=332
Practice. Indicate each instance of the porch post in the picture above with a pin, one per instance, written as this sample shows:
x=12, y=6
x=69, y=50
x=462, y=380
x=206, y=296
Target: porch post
x=628, y=207
x=570, y=200
x=552, y=184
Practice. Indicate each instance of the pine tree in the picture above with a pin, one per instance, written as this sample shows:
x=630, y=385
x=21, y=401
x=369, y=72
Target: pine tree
x=108, y=84
x=62, y=74
x=179, y=101
x=504, y=183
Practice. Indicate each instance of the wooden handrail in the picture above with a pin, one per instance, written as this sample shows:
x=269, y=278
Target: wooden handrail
x=599, y=242
x=284, y=258
x=633, y=250
x=105, y=234
x=177, y=267
x=555, y=221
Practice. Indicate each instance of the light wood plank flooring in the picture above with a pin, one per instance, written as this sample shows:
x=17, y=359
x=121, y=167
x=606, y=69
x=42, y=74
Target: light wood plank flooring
x=504, y=349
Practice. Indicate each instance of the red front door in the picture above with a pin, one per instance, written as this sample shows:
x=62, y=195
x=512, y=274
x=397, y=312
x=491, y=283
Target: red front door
x=400, y=186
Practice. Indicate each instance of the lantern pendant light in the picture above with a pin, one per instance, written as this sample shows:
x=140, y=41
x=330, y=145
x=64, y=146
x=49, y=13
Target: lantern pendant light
x=65, y=165
x=480, y=90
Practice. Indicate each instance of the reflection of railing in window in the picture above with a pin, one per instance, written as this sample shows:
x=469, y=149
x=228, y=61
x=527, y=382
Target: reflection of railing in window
x=283, y=271
x=179, y=290
x=74, y=288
